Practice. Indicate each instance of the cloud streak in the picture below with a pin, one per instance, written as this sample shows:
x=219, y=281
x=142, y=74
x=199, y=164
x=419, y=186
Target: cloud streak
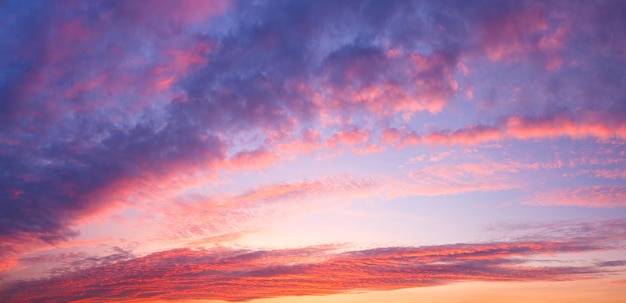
x=590, y=125
x=235, y=275
x=605, y=196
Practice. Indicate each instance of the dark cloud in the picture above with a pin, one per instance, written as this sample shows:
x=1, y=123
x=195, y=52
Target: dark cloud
x=79, y=121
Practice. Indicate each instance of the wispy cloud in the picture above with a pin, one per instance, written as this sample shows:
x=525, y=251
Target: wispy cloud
x=609, y=196
x=236, y=275
x=201, y=216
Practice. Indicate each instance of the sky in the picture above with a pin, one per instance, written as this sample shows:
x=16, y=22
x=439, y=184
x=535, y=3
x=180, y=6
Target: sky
x=312, y=151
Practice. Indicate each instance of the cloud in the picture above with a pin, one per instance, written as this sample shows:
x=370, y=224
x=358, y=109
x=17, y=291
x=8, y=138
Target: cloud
x=352, y=138
x=445, y=179
x=70, y=261
x=307, y=142
x=399, y=137
x=79, y=135
x=104, y=102
x=584, y=124
x=591, y=125
x=514, y=33
x=613, y=263
x=605, y=196
x=601, y=231
x=238, y=275
x=471, y=135
x=254, y=159
x=610, y=173
x=193, y=216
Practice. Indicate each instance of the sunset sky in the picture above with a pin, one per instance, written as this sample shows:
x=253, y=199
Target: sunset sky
x=312, y=151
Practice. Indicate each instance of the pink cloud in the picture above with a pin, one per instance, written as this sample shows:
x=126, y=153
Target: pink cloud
x=308, y=142
x=179, y=63
x=530, y=34
x=238, y=275
x=7, y=262
x=587, y=124
x=385, y=83
x=615, y=173
x=591, y=125
x=196, y=217
x=399, y=137
x=369, y=149
x=605, y=196
x=189, y=11
x=454, y=178
x=511, y=35
x=459, y=178
x=390, y=98
x=351, y=138
x=109, y=198
x=255, y=159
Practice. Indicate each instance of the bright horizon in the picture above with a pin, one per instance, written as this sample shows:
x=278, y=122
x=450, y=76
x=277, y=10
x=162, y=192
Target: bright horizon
x=312, y=151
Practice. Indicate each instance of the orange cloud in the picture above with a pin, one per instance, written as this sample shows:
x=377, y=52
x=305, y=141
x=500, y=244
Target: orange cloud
x=239, y=275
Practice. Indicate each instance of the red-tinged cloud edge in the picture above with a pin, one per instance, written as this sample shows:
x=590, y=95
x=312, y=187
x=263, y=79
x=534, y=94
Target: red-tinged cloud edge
x=238, y=275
